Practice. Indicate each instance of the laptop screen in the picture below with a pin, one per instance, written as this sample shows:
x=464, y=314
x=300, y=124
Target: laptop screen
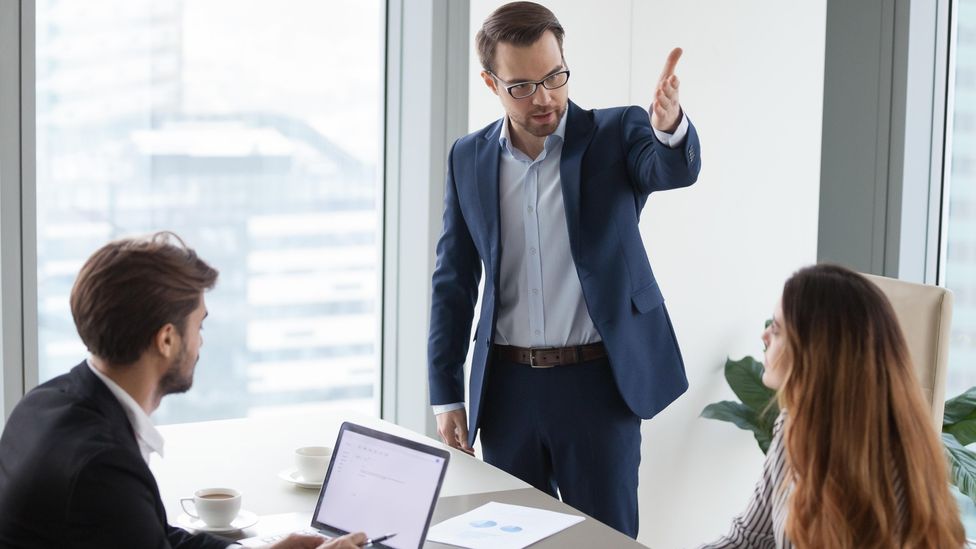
x=378, y=484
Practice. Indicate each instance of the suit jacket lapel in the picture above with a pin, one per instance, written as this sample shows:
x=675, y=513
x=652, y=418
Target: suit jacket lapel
x=579, y=132
x=487, y=152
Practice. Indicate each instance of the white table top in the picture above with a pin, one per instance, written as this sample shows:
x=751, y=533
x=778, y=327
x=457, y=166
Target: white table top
x=247, y=455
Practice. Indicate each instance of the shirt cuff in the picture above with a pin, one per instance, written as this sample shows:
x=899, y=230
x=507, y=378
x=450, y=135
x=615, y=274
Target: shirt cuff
x=443, y=408
x=676, y=139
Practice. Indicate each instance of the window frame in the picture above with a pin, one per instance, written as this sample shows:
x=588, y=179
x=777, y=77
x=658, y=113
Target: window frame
x=949, y=28
x=884, y=131
x=18, y=227
x=426, y=66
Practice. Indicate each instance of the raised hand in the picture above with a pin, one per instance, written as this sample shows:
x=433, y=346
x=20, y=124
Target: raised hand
x=666, y=109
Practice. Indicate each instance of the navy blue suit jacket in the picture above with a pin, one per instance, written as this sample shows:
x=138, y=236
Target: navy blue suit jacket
x=611, y=162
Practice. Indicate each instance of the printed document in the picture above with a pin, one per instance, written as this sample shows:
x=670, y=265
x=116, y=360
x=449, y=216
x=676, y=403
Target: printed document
x=500, y=526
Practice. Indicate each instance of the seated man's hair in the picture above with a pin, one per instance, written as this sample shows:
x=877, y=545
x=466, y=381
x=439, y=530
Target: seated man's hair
x=130, y=288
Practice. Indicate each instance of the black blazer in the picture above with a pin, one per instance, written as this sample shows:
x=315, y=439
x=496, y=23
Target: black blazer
x=71, y=474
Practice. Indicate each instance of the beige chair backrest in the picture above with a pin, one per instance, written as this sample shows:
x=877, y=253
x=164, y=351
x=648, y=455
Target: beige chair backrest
x=925, y=315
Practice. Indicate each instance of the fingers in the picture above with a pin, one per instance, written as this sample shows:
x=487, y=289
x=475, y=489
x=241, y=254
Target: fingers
x=671, y=84
x=445, y=427
x=660, y=112
x=662, y=100
x=461, y=435
x=669, y=89
x=299, y=541
x=350, y=541
x=666, y=110
x=453, y=429
x=461, y=432
x=447, y=435
x=666, y=99
x=670, y=64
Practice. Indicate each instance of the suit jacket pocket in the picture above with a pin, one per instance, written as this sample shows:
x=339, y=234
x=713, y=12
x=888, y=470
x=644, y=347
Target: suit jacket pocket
x=648, y=298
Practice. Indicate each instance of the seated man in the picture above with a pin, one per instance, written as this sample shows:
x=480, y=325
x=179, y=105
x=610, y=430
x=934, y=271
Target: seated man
x=74, y=453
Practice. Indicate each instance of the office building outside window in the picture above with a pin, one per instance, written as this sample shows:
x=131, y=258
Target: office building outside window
x=253, y=130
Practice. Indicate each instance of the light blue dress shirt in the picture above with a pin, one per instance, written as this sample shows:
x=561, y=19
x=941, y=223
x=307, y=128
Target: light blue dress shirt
x=540, y=296
x=540, y=301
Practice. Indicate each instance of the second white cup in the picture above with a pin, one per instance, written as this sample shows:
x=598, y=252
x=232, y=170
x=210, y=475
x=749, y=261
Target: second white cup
x=312, y=462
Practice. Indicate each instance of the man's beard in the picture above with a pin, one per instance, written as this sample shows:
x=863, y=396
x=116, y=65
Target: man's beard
x=178, y=377
x=547, y=129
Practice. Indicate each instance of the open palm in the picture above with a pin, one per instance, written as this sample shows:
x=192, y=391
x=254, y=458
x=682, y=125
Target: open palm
x=666, y=110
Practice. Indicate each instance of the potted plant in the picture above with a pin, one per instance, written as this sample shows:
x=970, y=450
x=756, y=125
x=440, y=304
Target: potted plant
x=757, y=410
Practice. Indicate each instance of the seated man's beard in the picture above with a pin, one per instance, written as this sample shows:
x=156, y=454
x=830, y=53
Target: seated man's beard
x=178, y=377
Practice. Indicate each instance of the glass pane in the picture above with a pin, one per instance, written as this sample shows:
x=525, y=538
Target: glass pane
x=254, y=131
x=960, y=260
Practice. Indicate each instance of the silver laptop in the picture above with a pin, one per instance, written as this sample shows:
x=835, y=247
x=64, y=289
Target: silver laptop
x=379, y=484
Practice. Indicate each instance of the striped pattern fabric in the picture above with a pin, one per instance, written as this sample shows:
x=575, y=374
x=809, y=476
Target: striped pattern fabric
x=763, y=524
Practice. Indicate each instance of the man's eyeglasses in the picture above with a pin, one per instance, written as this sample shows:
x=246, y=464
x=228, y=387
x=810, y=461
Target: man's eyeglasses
x=526, y=89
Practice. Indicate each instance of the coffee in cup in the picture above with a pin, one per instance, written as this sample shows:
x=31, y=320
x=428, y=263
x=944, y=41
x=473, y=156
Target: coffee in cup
x=216, y=507
x=312, y=462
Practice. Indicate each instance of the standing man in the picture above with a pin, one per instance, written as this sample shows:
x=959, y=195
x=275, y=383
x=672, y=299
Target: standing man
x=574, y=345
x=74, y=455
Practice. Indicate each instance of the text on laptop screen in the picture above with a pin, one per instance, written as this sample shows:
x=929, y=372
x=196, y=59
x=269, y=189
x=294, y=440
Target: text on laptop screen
x=378, y=487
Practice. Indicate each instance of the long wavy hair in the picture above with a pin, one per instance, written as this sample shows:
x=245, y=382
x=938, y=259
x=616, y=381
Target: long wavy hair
x=867, y=467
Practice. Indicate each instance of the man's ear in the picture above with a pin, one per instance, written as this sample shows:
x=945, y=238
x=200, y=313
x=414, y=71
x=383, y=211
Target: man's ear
x=166, y=341
x=490, y=81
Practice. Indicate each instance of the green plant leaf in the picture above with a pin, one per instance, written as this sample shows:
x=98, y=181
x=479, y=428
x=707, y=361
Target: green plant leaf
x=745, y=379
x=734, y=412
x=964, y=431
x=743, y=417
x=960, y=408
x=962, y=466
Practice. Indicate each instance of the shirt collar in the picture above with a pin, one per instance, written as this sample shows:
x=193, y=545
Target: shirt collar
x=148, y=437
x=504, y=138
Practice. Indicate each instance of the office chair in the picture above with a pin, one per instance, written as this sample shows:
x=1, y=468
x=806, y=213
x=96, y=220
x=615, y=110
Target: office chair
x=925, y=315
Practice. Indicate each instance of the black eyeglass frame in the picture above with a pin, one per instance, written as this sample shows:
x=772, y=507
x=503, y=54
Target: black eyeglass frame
x=535, y=85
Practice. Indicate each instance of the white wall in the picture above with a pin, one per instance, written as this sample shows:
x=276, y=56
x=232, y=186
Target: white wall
x=752, y=81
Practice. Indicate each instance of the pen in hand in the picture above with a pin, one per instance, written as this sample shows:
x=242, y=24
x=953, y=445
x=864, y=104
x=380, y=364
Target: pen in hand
x=371, y=541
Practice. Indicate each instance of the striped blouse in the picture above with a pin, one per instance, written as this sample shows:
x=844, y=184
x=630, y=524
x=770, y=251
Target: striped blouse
x=763, y=524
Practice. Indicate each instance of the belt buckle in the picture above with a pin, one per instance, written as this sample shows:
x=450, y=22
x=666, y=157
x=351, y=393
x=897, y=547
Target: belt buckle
x=532, y=361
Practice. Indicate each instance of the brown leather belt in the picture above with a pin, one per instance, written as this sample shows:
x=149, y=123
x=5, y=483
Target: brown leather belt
x=549, y=357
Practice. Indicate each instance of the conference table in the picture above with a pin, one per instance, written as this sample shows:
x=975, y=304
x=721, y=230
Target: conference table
x=249, y=454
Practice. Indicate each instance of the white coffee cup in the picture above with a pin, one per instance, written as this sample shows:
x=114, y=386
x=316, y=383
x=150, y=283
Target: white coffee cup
x=312, y=462
x=216, y=507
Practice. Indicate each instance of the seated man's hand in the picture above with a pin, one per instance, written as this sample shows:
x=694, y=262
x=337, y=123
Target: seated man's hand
x=348, y=541
x=307, y=541
x=298, y=541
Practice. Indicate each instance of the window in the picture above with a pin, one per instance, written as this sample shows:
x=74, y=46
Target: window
x=255, y=132
x=959, y=261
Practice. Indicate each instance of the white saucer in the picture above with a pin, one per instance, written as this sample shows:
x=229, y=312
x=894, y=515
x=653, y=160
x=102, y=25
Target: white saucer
x=292, y=476
x=245, y=519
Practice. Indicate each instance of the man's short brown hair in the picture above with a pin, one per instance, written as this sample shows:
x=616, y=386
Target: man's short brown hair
x=129, y=289
x=516, y=23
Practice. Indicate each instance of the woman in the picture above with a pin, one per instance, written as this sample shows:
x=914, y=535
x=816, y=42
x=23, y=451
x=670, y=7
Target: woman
x=855, y=461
